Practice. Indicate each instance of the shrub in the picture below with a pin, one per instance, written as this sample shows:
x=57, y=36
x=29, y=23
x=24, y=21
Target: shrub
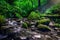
x=25, y=7
x=25, y=25
x=34, y=16
x=55, y=9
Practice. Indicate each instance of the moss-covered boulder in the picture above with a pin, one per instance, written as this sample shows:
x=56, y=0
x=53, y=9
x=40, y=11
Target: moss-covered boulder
x=44, y=21
x=43, y=28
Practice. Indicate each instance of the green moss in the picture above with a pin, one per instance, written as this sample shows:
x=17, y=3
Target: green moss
x=34, y=16
x=43, y=21
x=57, y=25
x=2, y=20
x=25, y=25
x=41, y=26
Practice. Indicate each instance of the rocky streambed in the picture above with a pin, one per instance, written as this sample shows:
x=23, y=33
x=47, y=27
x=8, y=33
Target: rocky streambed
x=13, y=31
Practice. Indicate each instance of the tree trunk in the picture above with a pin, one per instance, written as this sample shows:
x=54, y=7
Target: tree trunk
x=39, y=5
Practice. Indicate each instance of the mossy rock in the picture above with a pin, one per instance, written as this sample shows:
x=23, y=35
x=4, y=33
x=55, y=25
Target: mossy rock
x=2, y=20
x=49, y=38
x=25, y=25
x=28, y=24
x=34, y=16
x=44, y=21
x=44, y=28
x=57, y=25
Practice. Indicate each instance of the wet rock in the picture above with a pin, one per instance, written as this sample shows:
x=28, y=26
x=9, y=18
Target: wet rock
x=3, y=36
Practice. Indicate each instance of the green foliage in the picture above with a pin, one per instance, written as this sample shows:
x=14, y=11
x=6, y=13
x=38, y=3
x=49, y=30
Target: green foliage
x=54, y=9
x=10, y=2
x=2, y=20
x=34, y=16
x=6, y=9
x=57, y=21
x=43, y=2
x=25, y=6
x=25, y=25
x=18, y=16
